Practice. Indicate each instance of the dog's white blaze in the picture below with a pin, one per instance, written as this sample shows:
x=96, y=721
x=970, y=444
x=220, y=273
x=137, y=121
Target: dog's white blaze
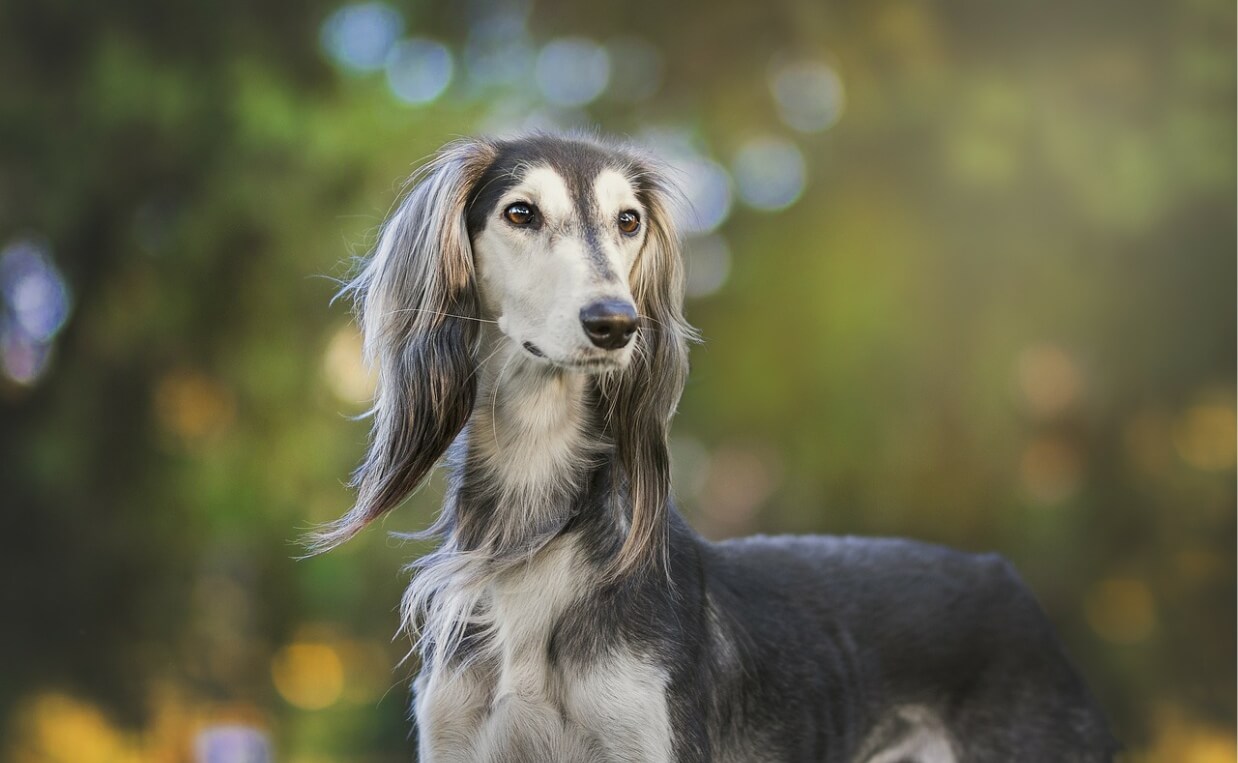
x=545, y=188
x=614, y=193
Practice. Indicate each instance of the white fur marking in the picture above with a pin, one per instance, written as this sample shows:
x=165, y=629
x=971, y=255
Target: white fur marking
x=925, y=741
x=626, y=697
x=512, y=704
x=535, y=439
x=545, y=188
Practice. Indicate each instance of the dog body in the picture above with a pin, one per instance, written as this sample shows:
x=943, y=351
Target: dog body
x=524, y=308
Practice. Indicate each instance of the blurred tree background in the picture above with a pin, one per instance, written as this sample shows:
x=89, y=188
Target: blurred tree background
x=966, y=272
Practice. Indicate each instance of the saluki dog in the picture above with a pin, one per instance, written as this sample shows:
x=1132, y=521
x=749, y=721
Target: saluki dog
x=524, y=310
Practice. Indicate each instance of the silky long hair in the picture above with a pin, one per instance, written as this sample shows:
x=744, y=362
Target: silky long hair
x=640, y=406
x=417, y=305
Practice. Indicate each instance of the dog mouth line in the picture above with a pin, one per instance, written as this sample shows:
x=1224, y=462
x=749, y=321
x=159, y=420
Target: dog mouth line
x=589, y=363
x=604, y=362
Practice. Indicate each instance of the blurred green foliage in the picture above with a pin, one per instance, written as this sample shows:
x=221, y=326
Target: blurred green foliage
x=999, y=316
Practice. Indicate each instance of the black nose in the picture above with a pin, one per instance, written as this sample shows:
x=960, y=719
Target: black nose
x=610, y=323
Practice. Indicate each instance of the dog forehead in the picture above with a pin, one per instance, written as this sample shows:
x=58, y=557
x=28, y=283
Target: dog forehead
x=577, y=164
x=548, y=189
x=612, y=190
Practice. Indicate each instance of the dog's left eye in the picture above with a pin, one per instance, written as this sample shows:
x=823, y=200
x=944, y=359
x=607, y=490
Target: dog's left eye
x=521, y=214
x=629, y=221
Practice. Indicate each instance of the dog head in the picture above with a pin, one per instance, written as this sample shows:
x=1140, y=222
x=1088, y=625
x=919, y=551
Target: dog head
x=568, y=247
x=557, y=229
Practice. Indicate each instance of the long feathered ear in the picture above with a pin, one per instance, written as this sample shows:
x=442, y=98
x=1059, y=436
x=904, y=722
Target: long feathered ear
x=416, y=303
x=641, y=404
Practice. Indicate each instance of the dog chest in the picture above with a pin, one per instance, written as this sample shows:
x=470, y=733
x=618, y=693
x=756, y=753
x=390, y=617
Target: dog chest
x=515, y=701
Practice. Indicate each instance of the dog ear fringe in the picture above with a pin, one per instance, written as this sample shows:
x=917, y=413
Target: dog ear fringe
x=415, y=299
x=641, y=406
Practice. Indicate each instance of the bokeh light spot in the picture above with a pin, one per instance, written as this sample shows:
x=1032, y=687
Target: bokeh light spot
x=1051, y=470
x=359, y=37
x=193, y=407
x=689, y=466
x=982, y=157
x=741, y=478
x=35, y=307
x=57, y=728
x=418, y=70
x=1183, y=739
x=809, y=95
x=309, y=675
x=1204, y=436
x=1121, y=610
x=708, y=264
x=24, y=359
x=34, y=289
x=770, y=173
x=572, y=71
x=1049, y=379
x=232, y=743
x=344, y=369
x=706, y=187
x=498, y=50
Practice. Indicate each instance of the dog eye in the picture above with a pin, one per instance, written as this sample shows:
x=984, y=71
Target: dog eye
x=520, y=213
x=629, y=221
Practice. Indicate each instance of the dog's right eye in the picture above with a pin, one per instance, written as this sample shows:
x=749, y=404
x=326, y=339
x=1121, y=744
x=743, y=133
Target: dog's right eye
x=521, y=214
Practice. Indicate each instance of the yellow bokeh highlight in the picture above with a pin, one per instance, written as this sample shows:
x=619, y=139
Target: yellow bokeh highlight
x=1051, y=470
x=193, y=407
x=344, y=369
x=53, y=727
x=56, y=728
x=1205, y=437
x=1121, y=610
x=741, y=478
x=309, y=675
x=1049, y=379
x=1183, y=740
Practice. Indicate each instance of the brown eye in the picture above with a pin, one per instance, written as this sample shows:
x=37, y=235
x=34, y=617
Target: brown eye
x=629, y=221
x=521, y=214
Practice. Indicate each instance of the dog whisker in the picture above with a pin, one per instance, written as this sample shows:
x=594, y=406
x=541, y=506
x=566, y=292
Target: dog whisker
x=482, y=363
x=397, y=311
x=494, y=406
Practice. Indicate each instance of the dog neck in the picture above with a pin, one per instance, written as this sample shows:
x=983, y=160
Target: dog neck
x=522, y=468
x=530, y=461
